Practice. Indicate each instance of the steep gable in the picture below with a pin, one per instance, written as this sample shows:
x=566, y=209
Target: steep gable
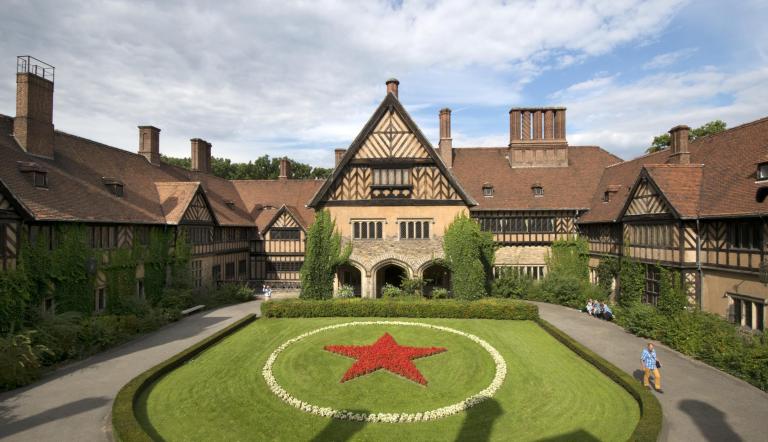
x=391, y=162
x=645, y=199
x=284, y=218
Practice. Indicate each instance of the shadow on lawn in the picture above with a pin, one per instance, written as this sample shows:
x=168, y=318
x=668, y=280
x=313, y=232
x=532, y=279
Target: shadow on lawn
x=339, y=430
x=478, y=425
x=578, y=435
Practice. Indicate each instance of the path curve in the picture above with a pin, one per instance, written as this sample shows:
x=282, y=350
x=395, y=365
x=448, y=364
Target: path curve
x=74, y=403
x=699, y=402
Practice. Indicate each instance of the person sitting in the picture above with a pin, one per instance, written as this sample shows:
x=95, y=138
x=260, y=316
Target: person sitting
x=596, y=310
x=589, y=307
x=607, y=312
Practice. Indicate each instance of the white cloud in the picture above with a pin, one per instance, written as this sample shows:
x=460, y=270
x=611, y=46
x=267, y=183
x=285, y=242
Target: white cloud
x=624, y=117
x=668, y=58
x=274, y=77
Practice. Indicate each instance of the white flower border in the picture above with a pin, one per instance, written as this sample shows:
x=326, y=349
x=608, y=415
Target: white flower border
x=438, y=413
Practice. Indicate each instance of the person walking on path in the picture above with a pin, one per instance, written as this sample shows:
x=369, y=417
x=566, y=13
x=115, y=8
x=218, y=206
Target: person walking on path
x=651, y=365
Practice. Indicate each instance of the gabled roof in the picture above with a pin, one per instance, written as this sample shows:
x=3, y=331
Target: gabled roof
x=389, y=102
x=176, y=197
x=680, y=185
x=264, y=197
x=284, y=209
x=565, y=188
x=727, y=178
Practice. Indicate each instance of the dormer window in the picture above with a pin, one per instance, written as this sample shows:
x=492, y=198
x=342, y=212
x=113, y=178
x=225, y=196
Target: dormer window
x=606, y=196
x=114, y=186
x=487, y=189
x=609, y=191
x=37, y=173
x=762, y=171
x=230, y=204
x=538, y=191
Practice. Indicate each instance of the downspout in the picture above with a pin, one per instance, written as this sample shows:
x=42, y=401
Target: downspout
x=699, y=270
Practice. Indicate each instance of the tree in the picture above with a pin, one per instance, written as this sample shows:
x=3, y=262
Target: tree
x=469, y=253
x=324, y=253
x=263, y=168
x=663, y=141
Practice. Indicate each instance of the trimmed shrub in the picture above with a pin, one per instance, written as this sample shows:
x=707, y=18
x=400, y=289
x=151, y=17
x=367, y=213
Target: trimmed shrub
x=469, y=253
x=511, y=283
x=232, y=294
x=19, y=360
x=413, y=286
x=390, y=291
x=489, y=308
x=323, y=254
x=346, y=291
x=440, y=293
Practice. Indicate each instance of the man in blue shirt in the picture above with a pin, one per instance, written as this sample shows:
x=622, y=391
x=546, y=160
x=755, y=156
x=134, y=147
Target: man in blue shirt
x=607, y=312
x=649, y=366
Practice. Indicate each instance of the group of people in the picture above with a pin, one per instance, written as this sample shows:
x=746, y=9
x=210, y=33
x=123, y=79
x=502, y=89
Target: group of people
x=599, y=310
x=267, y=291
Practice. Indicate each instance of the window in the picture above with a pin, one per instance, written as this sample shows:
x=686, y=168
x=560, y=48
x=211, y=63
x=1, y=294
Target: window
x=197, y=273
x=141, y=234
x=48, y=305
x=284, y=266
x=487, y=190
x=391, y=177
x=115, y=189
x=242, y=269
x=762, y=171
x=216, y=273
x=415, y=229
x=651, y=292
x=748, y=312
x=538, y=191
x=285, y=234
x=369, y=229
x=532, y=271
x=541, y=225
x=40, y=179
x=140, y=289
x=745, y=235
x=230, y=234
x=243, y=234
x=229, y=271
x=200, y=235
x=606, y=196
x=101, y=299
x=103, y=237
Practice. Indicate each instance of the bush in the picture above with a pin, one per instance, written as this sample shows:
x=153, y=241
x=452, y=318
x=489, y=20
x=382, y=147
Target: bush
x=440, y=293
x=390, y=291
x=323, y=254
x=232, y=294
x=511, y=283
x=59, y=333
x=176, y=298
x=413, y=286
x=469, y=253
x=346, y=291
x=489, y=308
x=19, y=359
x=567, y=279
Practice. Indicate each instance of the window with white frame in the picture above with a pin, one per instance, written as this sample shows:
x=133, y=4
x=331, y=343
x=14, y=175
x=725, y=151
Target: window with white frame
x=532, y=271
x=748, y=312
x=414, y=228
x=392, y=177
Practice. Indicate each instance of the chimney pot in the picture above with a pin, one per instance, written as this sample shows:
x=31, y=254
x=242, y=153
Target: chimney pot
x=446, y=142
x=285, y=168
x=33, y=124
x=339, y=155
x=149, y=143
x=392, y=86
x=201, y=155
x=679, y=145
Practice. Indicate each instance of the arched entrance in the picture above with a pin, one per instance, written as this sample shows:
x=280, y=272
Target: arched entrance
x=436, y=275
x=350, y=275
x=389, y=274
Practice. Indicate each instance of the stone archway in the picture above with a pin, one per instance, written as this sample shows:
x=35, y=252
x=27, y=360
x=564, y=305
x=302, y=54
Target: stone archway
x=435, y=275
x=389, y=272
x=348, y=274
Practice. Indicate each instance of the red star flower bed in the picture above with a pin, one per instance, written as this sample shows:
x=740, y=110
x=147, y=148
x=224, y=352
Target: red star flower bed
x=385, y=353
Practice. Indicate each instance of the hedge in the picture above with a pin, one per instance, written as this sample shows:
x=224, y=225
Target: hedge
x=124, y=422
x=448, y=308
x=649, y=426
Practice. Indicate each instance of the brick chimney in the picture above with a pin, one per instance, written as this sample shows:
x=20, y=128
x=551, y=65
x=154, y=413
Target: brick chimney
x=679, y=145
x=392, y=85
x=537, y=137
x=149, y=143
x=285, y=169
x=446, y=142
x=339, y=155
x=201, y=155
x=33, y=125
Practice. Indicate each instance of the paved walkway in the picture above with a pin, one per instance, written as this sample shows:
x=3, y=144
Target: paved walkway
x=699, y=402
x=74, y=403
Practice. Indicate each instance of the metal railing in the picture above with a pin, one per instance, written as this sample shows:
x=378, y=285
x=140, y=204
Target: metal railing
x=31, y=65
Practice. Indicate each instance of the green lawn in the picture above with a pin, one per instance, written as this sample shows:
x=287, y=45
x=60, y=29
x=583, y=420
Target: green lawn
x=549, y=393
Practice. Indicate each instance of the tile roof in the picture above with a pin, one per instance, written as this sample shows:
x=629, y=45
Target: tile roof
x=175, y=198
x=680, y=184
x=727, y=178
x=569, y=187
x=265, y=197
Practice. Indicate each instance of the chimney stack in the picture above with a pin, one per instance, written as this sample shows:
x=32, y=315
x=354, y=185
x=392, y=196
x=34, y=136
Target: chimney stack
x=33, y=125
x=339, y=155
x=446, y=142
x=149, y=143
x=537, y=125
x=285, y=168
x=392, y=85
x=679, y=145
x=201, y=155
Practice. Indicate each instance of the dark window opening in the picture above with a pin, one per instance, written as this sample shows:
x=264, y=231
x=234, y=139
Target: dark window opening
x=538, y=191
x=140, y=289
x=242, y=269
x=652, y=285
x=487, y=190
x=285, y=234
x=229, y=271
x=101, y=299
x=414, y=229
x=367, y=229
x=746, y=235
x=216, y=272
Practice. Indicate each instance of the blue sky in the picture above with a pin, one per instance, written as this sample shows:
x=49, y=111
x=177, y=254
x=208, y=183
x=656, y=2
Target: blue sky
x=301, y=78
